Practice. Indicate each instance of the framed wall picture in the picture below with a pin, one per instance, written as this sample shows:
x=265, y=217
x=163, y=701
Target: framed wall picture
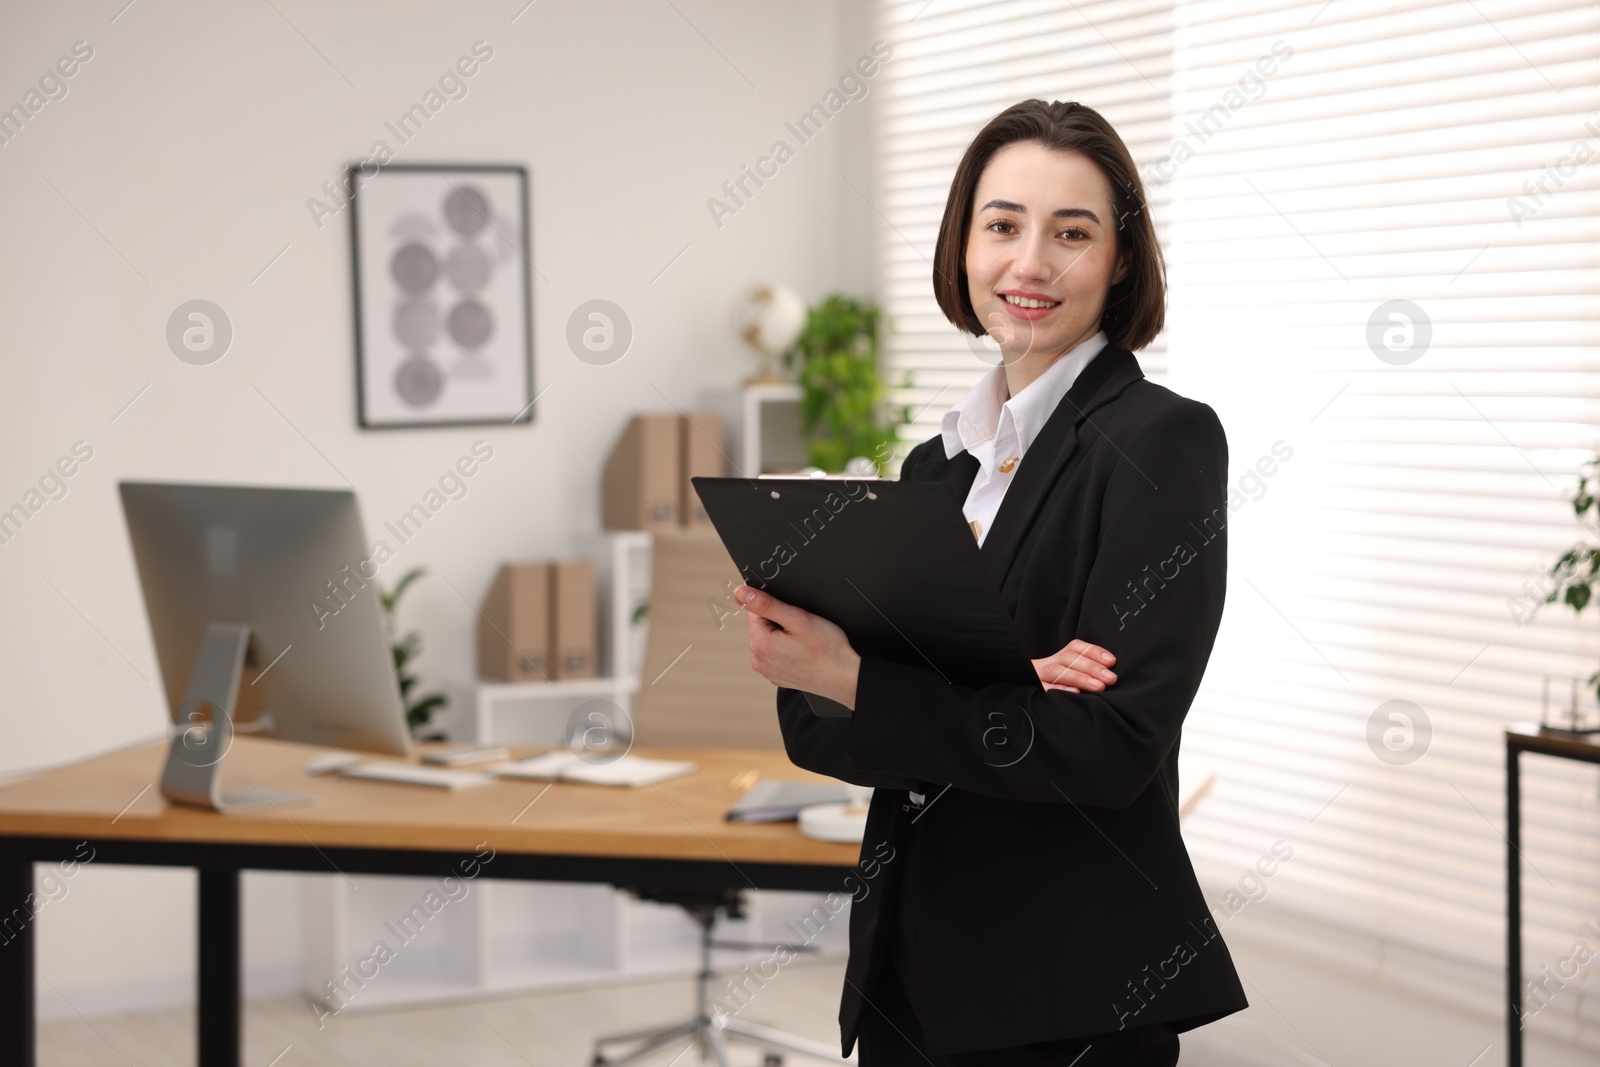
x=443, y=312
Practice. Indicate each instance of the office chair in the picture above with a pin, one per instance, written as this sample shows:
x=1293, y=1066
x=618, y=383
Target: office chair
x=710, y=697
x=708, y=1028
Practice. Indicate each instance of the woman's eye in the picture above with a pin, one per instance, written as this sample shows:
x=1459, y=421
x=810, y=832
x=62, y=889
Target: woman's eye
x=1074, y=233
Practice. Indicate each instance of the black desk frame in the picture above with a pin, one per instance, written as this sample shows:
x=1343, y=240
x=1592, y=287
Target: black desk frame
x=219, y=1014
x=1520, y=739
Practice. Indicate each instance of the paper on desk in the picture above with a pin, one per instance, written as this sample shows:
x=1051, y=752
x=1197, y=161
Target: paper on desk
x=569, y=767
x=547, y=765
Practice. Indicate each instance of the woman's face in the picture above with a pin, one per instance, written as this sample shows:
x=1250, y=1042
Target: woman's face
x=1042, y=232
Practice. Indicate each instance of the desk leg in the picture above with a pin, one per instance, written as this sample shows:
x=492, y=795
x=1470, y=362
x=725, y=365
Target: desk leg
x=17, y=1008
x=219, y=1009
x=1513, y=911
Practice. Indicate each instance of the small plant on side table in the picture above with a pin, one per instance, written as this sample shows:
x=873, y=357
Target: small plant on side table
x=1574, y=576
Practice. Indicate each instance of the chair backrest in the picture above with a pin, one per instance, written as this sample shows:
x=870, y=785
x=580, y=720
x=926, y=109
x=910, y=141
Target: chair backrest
x=696, y=687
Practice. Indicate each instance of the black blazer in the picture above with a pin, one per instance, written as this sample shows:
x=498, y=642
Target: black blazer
x=1045, y=891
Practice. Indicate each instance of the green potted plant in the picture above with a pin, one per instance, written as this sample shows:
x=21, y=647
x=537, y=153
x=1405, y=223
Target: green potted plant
x=406, y=648
x=1573, y=577
x=843, y=407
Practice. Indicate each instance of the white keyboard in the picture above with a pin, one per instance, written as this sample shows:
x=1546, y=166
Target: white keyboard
x=411, y=774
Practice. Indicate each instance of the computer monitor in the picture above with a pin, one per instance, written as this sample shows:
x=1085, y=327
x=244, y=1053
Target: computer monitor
x=286, y=576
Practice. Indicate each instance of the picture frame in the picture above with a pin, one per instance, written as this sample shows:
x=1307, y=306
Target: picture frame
x=440, y=272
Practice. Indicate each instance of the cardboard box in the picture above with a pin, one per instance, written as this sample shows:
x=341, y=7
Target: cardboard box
x=514, y=635
x=707, y=695
x=574, y=620
x=646, y=480
x=640, y=486
x=704, y=448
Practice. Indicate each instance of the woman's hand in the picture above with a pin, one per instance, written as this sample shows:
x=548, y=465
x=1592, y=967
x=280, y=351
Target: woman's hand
x=1077, y=667
x=793, y=648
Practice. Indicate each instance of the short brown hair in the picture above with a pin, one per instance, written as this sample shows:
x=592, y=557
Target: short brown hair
x=1135, y=308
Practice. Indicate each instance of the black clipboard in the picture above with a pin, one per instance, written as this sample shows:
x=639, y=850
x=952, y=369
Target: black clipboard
x=892, y=563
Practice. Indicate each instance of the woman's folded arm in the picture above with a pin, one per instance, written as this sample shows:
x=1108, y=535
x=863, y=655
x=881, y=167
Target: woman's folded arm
x=1154, y=596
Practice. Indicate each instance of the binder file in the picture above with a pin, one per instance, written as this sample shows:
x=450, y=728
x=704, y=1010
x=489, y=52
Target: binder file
x=891, y=563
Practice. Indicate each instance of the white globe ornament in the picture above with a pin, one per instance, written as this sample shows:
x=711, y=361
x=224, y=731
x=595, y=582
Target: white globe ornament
x=768, y=320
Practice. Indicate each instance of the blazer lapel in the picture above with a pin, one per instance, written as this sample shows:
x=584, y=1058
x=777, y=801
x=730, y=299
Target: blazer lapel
x=1111, y=371
x=960, y=471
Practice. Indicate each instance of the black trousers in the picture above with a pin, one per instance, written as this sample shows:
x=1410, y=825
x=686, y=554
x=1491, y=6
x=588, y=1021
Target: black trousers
x=890, y=1036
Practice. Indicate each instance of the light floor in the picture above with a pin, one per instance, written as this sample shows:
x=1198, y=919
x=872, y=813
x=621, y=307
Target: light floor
x=543, y=1030
x=1300, y=1016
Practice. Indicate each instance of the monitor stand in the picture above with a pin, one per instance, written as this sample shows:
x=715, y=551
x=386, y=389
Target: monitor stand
x=193, y=771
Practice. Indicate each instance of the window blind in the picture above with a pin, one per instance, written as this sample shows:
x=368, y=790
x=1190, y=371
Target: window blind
x=956, y=64
x=1382, y=275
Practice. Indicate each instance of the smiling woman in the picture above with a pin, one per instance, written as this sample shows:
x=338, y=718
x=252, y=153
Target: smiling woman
x=1022, y=920
x=1060, y=206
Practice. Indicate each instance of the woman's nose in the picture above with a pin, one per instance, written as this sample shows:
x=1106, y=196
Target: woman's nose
x=1033, y=262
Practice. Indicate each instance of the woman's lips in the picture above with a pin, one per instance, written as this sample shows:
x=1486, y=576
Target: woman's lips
x=1026, y=314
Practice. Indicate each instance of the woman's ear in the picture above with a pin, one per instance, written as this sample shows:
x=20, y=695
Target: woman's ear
x=1122, y=267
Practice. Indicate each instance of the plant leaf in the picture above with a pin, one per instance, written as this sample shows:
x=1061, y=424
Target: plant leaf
x=392, y=599
x=1578, y=596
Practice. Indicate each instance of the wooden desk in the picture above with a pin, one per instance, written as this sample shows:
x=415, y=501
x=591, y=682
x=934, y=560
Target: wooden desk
x=1520, y=738
x=672, y=834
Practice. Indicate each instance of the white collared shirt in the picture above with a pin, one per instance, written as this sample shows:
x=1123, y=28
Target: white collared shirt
x=988, y=424
x=997, y=430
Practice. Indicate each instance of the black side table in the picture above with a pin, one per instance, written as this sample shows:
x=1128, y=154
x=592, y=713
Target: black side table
x=1520, y=738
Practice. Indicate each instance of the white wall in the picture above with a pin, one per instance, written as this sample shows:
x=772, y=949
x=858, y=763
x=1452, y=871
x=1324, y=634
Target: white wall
x=179, y=165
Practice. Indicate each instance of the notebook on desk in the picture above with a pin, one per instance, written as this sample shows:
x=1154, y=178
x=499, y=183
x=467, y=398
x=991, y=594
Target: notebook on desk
x=774, y=800
x=566, y=766
x=892, y=564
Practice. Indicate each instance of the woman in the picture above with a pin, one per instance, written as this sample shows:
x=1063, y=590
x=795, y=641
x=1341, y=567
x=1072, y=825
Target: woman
x=1031, y=899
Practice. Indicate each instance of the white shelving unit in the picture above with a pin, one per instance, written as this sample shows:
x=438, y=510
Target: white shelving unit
x=509, y=937
x=541, y=710
x=502, y=937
